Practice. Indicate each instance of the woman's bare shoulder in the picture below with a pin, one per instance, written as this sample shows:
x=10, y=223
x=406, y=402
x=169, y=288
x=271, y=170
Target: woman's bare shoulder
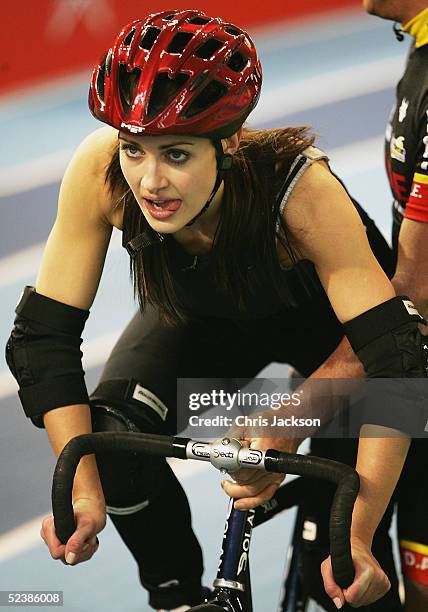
x=98, y=147
x=88, y=169
x=320, y=206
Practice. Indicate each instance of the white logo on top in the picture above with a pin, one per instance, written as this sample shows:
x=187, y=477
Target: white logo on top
x=135, y=129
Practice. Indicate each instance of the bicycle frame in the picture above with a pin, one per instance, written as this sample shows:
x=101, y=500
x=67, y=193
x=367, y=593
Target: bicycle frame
x=232, y=586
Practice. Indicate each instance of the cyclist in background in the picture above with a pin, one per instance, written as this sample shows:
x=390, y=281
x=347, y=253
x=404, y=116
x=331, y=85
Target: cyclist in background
x=406, y=154
x=245, y=249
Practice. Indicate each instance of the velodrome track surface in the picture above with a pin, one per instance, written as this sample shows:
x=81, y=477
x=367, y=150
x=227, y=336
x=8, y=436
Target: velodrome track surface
x=336, y=75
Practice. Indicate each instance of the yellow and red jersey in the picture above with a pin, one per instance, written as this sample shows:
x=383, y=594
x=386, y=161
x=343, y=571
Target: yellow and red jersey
x=406, y=142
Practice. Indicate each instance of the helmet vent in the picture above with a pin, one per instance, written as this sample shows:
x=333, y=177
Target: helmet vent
x=168, y=17
x=99, y=85
x=208, y=48
x=129, y=37
x=211, y=94
x=199, y=80
x=179, y=42
x=232, y=31
x=164, y=91
x=237, y=62
x=149, y=38
x=127, y=85
x=199, y=20
x=108, y=62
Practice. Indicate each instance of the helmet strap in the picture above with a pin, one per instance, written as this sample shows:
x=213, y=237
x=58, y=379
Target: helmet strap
x=224, y=164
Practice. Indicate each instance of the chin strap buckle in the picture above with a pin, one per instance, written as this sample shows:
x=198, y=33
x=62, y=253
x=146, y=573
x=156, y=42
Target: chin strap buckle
x=142, y=241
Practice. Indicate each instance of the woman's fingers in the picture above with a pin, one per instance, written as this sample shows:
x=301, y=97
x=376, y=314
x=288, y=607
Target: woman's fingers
x=80, y=547
x=255, y=493
x=370, y=586
x=370, y=583
x=245, y=476
x=48, y=534
x=247, y=503
x=249, y=489
x=332, y=589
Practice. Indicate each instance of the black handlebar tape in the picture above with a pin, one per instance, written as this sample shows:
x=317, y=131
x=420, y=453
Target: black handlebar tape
x=348, y=484
x=68, y=460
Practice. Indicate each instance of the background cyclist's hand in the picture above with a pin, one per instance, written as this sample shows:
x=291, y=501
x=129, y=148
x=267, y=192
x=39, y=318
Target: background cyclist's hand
x=252, y=487
x=90, y=517
x=370, y=583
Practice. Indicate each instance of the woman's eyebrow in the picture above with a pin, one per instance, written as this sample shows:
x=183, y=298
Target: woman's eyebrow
x=176, y=144
x=166, y=146
x=120, y=137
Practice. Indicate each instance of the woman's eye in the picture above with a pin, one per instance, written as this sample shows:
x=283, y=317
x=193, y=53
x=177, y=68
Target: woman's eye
x=177, y=156
x=130, y=150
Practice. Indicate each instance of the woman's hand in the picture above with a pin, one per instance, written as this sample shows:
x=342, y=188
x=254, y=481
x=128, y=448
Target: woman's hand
x=90, y=516
x=251, y=487
x=370, y=582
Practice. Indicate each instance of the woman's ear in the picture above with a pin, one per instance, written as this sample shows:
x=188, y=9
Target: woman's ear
x=231, y=144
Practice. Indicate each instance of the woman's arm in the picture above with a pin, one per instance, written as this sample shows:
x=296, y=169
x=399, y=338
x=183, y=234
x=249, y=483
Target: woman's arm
x=75, y=251
x=69, y=276
x=329, y=232
x=71, y=269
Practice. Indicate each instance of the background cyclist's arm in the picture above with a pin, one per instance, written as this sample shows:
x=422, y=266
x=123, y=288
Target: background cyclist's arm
x=411, y=274
x=70, y=273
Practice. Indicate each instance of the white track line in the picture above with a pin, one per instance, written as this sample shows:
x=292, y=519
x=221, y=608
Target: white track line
x=35, y=173
x=24, y=264
x=27, y=536
x=328, y=88
x=21, y=539
x=358, y=158
x=336, y=24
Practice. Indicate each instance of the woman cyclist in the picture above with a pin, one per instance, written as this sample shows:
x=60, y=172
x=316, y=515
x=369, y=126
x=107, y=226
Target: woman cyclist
x=245, y=249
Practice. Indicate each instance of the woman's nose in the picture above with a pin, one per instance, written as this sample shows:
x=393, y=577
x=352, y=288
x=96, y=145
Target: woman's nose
x=153, y=178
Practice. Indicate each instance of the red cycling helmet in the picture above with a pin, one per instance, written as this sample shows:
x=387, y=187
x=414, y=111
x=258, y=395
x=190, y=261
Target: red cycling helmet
x=177, y=72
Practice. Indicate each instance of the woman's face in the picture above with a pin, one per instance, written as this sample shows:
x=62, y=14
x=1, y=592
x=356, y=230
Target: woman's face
x=171, y=177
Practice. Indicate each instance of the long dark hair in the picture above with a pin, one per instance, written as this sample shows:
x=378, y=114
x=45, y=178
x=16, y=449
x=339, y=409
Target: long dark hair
x=248, y=218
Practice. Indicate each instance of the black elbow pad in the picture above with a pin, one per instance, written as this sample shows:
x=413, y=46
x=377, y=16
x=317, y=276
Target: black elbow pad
x=43, y=354
x=387, y=340
x=390, y=346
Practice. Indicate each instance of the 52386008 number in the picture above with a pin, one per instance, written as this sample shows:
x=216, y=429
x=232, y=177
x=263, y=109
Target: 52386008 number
x=31, y=598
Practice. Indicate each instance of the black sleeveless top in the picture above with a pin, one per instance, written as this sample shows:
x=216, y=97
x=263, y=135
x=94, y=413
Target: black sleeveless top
x=193, y=276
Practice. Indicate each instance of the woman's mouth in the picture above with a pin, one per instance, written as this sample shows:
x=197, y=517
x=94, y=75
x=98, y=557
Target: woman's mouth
x=162, y=209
